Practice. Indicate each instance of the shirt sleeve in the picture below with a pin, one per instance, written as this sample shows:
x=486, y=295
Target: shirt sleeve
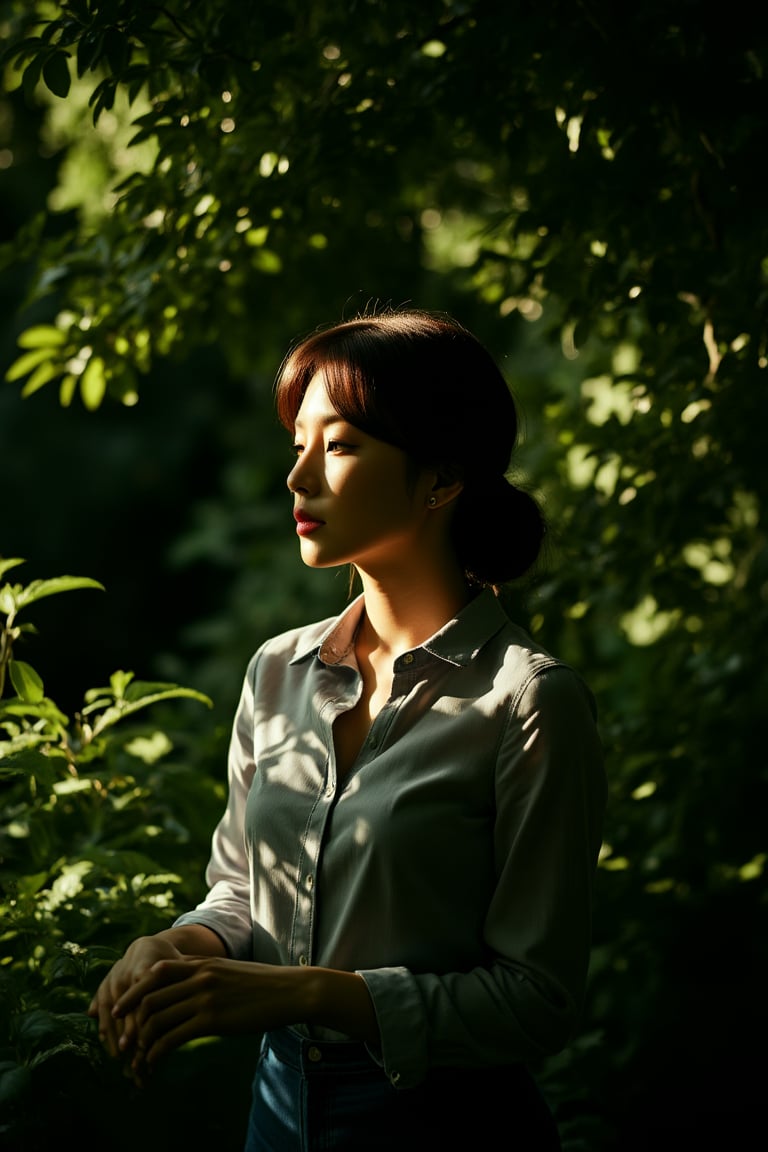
x=525, y=1002
x=226, y=908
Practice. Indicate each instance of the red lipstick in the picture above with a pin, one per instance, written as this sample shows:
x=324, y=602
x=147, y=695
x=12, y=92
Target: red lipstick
x=305, y=524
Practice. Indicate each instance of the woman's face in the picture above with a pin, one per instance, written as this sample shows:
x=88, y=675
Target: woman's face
x=354, y=500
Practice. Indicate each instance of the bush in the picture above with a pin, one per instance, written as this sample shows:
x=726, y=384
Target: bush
x=105, y=829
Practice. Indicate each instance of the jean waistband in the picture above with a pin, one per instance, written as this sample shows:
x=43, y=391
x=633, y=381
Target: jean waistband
x=319, y=1057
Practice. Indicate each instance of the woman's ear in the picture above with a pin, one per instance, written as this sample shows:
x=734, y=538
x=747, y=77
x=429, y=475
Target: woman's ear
x=445, y=489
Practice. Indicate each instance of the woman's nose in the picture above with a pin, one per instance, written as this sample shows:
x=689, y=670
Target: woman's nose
x=298, y=479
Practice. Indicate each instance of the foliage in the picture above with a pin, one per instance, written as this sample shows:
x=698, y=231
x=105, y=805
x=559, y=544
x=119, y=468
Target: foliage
x=101, y=815
x=577, y=182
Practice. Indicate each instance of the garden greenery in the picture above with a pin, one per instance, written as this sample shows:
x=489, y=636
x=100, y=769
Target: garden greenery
x=577, y=183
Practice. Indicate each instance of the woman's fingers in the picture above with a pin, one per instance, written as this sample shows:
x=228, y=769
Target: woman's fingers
x=165, y=1025
x=110, y=1029
x=164, y=972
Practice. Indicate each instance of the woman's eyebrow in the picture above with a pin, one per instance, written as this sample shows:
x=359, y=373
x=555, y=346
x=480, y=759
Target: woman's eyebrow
x=324, y=421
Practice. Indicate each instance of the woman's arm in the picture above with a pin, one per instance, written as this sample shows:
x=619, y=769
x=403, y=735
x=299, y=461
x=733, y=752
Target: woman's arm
x=118, y=1031
x=523, y=1001
x=179, y=1000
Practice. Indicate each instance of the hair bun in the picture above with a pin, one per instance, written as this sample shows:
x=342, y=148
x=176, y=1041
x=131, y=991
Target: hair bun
x=498, y=530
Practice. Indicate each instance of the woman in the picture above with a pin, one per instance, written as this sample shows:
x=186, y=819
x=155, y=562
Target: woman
x=400, y=886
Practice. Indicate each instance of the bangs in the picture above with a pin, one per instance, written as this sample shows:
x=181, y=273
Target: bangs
x=350, y=363
x=415, y=380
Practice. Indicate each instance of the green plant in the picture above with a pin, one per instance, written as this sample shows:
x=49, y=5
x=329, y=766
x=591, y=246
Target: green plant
x=103, y=826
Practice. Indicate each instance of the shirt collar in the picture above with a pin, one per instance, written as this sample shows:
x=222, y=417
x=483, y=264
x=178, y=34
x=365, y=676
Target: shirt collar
x=336, y=641
x=460, y=640
x=457, y=642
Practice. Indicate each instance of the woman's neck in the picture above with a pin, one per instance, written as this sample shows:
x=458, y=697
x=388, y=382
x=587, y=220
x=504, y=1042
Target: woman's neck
x=400, y=614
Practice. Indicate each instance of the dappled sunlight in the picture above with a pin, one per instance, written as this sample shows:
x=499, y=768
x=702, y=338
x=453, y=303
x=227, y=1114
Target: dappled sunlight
x=646, y=622
x=97, y=159
x=608, y=398
x=594, y=208
x=609, y=862
x=712, y=559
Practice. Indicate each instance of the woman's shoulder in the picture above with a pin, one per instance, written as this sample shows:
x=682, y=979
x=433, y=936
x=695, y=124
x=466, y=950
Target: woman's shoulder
x=294, y=642
x=533, y=670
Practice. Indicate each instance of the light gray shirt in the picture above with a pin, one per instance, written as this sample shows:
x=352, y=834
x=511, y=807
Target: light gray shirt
x=452, y=868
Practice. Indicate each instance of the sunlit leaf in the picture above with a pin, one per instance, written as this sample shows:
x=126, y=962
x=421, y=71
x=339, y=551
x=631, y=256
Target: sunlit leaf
x=26, y=681
x=26, y=363
x=38, y=589
x=41, y=336
x=125, y=708
x=93, y=383
x=119, y=682
x=7, y=600
x=6, y=565
x=44, y=709
x=67, y=390
x=40, y=377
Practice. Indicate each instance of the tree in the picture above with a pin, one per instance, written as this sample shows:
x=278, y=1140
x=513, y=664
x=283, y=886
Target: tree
x=578, y=181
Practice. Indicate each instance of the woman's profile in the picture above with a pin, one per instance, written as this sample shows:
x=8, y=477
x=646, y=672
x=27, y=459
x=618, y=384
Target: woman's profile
x=400, y=887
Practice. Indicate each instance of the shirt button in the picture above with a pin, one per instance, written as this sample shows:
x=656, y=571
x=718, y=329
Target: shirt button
x=314, y=1054
x=408, y=658
x=303, y=961
x=310, y=880
x=394, y=1077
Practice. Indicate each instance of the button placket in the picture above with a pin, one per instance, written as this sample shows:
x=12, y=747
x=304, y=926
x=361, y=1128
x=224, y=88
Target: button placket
x=305, y=888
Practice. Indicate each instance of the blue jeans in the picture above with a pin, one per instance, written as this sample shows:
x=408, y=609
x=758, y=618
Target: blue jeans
x=310, y=1096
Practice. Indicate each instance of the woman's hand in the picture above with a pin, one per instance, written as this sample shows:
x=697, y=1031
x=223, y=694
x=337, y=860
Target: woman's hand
x=181, y=1000
x=118, y=1031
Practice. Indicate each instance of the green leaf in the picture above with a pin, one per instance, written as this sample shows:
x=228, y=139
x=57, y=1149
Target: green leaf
x=41, y=336
x=41, y=376
x=22, y=757
x=103, y=97
x=26, y=363
x=119, y=682
x=93, y=383
x=31, y=76
x=125, y=708
x=56, y=74
x=37, y=1024
x=40, y=588
x=67, y=390
x=26, y=681
x=89, y=49
x=15, y=1079
x=6, y=565
x=8, y=599
x=44, y=709
x=117, y=49
x=26, y=47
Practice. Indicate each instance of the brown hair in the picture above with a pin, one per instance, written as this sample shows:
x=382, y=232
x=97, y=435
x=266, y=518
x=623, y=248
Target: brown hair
x=421, y=381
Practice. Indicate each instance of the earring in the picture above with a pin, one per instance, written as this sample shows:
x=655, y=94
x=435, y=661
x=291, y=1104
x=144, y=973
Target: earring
x=432, y=501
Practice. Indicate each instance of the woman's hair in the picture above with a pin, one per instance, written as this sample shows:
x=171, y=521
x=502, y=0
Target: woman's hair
x=421, y=381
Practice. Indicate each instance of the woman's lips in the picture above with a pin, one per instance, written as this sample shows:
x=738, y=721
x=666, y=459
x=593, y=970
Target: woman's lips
x=306, y=525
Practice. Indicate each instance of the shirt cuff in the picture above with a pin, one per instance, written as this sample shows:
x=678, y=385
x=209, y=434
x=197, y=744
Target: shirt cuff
x=402, y=1025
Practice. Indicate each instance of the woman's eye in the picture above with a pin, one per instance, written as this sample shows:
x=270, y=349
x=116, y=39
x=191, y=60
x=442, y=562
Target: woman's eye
x=338, y=446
